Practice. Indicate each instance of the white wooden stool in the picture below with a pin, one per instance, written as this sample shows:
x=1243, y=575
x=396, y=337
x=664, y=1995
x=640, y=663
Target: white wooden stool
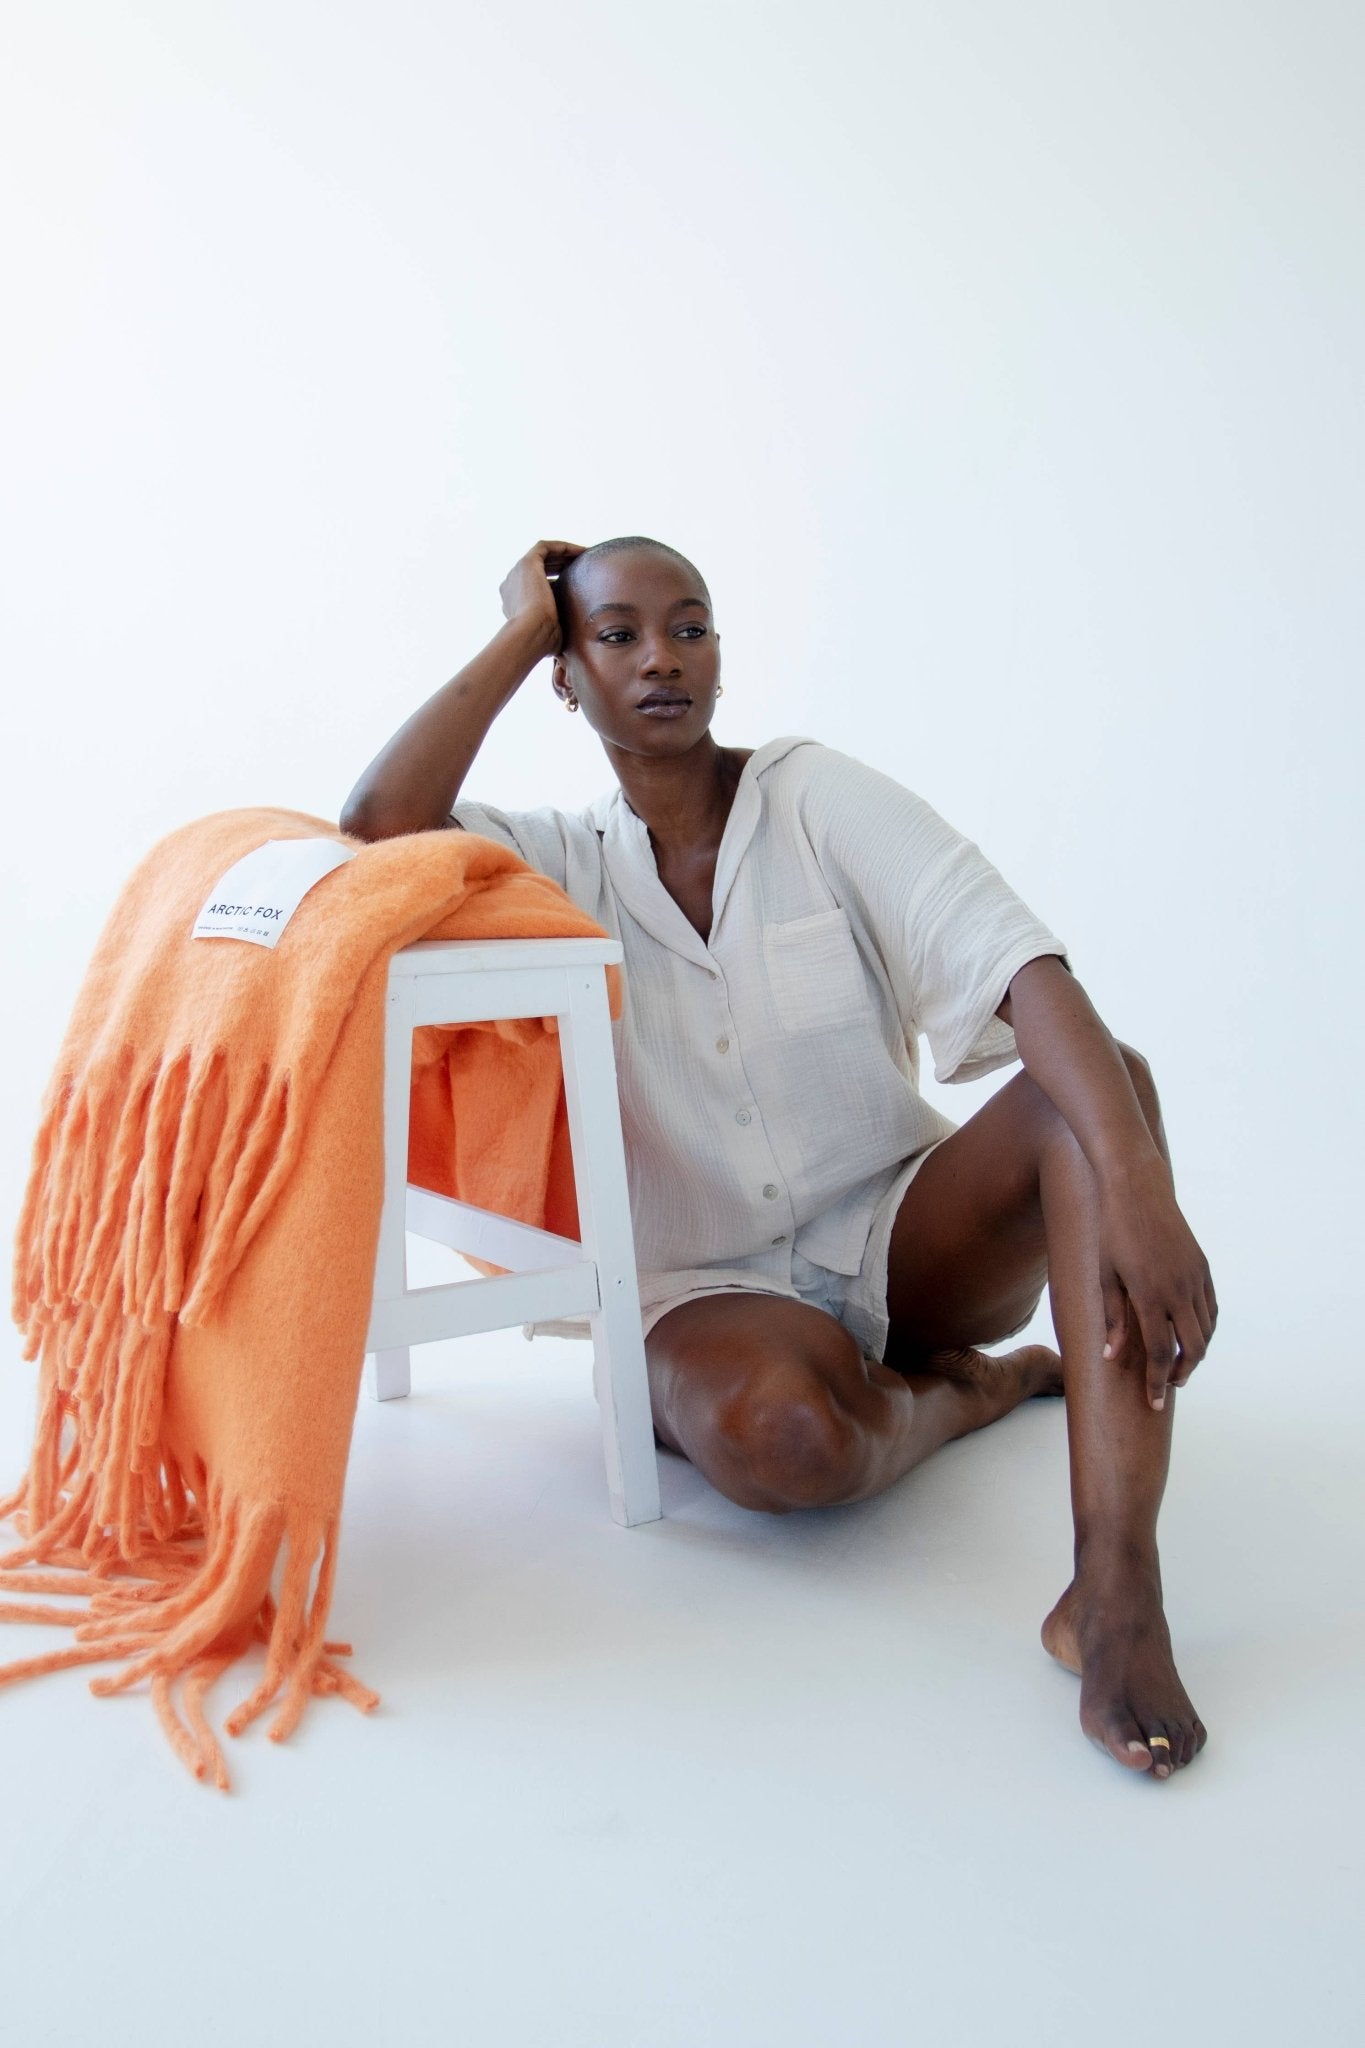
x=456, y=981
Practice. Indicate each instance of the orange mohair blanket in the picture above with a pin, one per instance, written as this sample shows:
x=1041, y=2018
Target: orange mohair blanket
x=195, y=1257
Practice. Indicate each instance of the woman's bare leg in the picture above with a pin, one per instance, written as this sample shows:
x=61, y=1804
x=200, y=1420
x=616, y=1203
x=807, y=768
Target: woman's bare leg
x=1008, y=1197
x=774, y=1402
x=1110, y=1626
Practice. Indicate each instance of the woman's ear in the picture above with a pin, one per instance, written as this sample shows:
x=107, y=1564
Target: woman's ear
x=559, y=677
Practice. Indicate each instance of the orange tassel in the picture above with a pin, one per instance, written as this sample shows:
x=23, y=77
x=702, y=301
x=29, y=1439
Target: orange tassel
x=206, y=1673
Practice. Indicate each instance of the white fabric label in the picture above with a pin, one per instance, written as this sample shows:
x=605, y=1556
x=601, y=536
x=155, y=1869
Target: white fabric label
x=259, y=894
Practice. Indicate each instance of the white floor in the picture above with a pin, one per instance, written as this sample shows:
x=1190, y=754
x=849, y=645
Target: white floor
x=725, y=1781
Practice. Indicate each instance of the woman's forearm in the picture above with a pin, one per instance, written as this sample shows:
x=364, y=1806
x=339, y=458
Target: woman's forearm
x=1151, y=1265
x=412, y=782
x=1070, y=1052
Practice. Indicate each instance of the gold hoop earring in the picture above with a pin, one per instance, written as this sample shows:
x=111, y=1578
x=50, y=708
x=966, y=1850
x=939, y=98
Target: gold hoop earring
x=571, y=703
x=720, y=689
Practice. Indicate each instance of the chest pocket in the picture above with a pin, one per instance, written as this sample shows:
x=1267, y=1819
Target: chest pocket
x=814, y=972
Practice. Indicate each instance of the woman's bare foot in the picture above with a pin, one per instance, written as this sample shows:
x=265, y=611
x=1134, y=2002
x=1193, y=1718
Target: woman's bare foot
x=1110, y=1629
x=1003, y=1382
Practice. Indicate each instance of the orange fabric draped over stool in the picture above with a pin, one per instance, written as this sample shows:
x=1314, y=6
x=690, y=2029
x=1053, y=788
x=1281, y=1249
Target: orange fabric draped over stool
x=195, y=1257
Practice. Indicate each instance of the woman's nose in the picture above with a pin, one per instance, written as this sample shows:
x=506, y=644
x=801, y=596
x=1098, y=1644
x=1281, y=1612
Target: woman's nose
x=659, y=657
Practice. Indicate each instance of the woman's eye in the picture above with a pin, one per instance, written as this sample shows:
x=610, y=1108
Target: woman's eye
x=613, y=635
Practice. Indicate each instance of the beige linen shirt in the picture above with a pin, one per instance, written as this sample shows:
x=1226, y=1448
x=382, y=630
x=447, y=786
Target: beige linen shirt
x=768, y=1075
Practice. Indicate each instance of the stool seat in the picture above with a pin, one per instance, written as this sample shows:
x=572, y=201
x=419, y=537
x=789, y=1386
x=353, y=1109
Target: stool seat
x=457, y=981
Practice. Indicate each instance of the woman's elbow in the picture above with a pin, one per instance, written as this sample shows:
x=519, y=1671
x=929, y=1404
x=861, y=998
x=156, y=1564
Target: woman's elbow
x=362, y=818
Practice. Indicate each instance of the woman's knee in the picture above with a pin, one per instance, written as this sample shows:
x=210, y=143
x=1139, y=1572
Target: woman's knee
x=785, y=1441
x=1053, y=1125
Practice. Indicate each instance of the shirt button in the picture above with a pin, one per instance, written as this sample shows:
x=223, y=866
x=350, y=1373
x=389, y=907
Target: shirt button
x=743, y=1117
x=779, y=1240
x=722, y=1045
x=772, y=1192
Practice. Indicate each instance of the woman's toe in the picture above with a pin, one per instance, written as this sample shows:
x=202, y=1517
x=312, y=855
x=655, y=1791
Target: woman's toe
x=1196, y=1735
x=1162, y=1745
x=1118, y=1732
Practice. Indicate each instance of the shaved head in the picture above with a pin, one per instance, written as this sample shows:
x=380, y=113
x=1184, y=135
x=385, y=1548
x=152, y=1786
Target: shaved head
x=572, y=581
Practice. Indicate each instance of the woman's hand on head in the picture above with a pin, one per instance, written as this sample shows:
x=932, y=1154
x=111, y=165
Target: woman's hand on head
x=526, y=590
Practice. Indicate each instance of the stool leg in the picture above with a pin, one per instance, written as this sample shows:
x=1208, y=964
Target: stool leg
x=390, y=1374
x=604, y=1224
x=628, y=1444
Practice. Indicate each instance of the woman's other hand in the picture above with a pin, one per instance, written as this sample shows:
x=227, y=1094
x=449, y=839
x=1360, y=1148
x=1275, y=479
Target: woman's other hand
x=1155, y=1274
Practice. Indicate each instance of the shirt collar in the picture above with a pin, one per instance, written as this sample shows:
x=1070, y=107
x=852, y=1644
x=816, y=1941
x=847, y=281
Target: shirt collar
x=629, y=857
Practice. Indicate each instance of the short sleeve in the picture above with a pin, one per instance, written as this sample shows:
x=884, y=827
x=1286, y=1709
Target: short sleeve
x=950, y=932
x=540, y=837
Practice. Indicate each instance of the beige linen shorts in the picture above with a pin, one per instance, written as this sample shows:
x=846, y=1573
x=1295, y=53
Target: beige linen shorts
x=857, y=1300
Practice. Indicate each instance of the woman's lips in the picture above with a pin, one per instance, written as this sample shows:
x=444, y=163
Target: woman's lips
x=664, y=707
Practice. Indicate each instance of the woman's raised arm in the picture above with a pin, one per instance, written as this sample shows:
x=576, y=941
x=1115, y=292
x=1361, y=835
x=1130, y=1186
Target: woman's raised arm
x=412, y=782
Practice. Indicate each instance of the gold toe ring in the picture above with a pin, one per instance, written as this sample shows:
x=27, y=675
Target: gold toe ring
x=1158, y=1742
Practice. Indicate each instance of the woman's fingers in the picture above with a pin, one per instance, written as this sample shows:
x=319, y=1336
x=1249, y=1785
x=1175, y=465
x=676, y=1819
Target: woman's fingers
x=555, y=553
x=1115, y=1315
x=527, y=588
x=1158, y=1340
x=1193, y=1351
x=1193, y=1344
x=1174, y=1341
x=1204, y=1313
x=1154, y=1273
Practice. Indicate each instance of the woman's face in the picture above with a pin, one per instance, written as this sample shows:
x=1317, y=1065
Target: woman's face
x=640, y=653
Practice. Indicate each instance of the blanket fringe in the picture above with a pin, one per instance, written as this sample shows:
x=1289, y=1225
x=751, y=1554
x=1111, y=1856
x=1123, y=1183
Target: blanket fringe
x=174, y=1613
x=148, y=1183
x=149, y=1180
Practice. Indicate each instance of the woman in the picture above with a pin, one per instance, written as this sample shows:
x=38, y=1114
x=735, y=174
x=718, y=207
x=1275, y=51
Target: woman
x=820, y=1252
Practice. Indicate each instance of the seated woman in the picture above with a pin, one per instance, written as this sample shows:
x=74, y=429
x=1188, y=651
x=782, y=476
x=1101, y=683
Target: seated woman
x=820, y=1251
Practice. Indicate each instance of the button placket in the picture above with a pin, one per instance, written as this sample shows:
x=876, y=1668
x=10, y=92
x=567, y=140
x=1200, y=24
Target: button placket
x=747, y=1118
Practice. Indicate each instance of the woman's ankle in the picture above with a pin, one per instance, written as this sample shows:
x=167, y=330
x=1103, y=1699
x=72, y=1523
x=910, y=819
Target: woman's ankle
x=1107, y=1556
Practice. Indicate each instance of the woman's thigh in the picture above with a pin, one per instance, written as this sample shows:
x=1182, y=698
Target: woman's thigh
x=968, y=1258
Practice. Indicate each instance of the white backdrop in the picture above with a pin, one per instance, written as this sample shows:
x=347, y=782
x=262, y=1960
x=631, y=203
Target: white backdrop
x=999, y=366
